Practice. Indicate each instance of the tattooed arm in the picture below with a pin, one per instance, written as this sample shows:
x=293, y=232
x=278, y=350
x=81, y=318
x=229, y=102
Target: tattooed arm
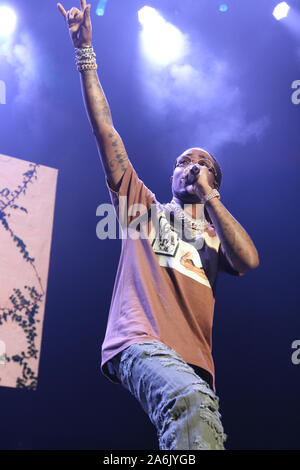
x=236, y=243
x=110, y=145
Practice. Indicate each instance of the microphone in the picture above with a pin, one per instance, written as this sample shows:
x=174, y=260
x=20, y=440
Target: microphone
x=193, y=174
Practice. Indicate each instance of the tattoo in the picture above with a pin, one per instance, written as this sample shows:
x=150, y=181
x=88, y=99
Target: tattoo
x=113, y=153
x=120, y=160
x=96, y=102
x=237, y=244
x=112, y=165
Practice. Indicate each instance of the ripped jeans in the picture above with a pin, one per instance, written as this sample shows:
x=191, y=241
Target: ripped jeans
x=179, y=403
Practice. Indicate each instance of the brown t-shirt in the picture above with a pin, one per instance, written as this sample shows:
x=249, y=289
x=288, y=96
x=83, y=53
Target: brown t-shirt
x=164, y=287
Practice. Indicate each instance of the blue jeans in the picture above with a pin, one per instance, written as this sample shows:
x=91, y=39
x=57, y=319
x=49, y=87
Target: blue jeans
x=179, y=403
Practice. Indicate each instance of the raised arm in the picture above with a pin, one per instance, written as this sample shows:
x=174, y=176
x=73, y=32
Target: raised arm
x=111, y=148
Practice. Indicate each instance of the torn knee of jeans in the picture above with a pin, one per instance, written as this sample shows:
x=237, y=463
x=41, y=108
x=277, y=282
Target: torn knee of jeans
x=213, y=422
x=200, y=444
x=216, y=429
x=207, y=407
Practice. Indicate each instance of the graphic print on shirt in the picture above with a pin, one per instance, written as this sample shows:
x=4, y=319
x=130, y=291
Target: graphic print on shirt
x=173, y=252
x=167, y=241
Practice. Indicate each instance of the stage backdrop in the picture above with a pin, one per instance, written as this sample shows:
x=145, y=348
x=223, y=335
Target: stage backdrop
x=27, y=197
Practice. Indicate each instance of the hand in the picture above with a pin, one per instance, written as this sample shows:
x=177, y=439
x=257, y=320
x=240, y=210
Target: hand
x=202, y=184
x=79, y=23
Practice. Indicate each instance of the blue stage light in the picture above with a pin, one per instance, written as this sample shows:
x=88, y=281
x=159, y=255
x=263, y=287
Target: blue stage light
x=101, y=7
x=281, y=10
x=8, y=20
x=223, y=7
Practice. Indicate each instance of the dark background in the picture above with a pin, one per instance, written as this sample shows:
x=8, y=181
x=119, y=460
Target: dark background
x=252, y=127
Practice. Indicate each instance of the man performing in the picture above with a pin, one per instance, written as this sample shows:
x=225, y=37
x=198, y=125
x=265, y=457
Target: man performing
x=159, y=331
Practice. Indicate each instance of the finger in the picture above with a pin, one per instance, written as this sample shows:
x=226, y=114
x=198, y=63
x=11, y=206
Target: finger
x=83, y=5
x=62, y=10
x=70, y=14
x=86, y=14
x=73, y=13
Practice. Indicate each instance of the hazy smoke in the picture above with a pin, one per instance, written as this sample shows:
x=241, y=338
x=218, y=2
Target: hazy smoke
x=202, y=93
x=21, y=57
